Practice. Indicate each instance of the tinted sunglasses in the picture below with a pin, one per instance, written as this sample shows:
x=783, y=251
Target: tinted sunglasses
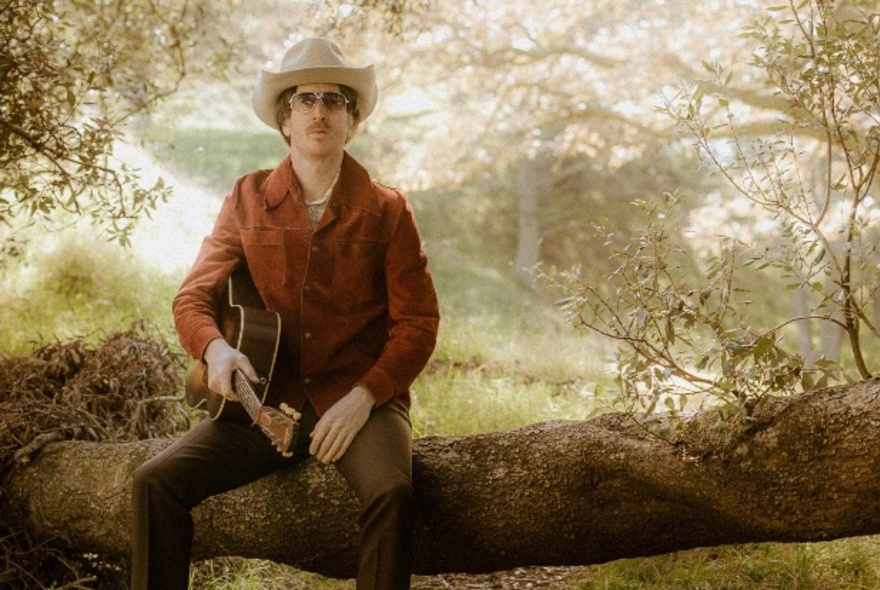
x=304, y=102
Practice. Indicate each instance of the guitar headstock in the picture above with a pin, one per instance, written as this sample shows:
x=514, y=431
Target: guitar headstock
x=281, y=426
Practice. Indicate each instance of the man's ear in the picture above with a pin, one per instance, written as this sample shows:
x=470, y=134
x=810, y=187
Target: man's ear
x=352, y=131
x=284, y=129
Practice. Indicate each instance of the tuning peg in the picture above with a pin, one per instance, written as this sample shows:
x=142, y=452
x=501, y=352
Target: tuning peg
x=290, y=411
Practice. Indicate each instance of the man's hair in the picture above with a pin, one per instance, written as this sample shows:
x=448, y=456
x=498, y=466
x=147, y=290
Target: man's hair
x=282, y=107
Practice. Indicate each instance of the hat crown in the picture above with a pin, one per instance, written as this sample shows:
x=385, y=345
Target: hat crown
x=313, y=61
x=313, y=53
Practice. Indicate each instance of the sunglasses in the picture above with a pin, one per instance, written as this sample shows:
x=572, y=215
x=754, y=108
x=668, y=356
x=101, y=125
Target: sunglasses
x=304, y=102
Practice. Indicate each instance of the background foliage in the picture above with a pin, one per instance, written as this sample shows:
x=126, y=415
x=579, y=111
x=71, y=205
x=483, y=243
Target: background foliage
x=73, y=72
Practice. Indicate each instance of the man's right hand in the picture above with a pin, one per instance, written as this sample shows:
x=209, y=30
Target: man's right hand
x=222, y=360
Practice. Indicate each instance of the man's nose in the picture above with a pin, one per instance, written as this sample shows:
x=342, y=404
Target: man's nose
x=320, y=110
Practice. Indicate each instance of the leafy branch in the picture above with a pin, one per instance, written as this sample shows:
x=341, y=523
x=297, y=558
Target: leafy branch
x=679, y=337
x=74, y=74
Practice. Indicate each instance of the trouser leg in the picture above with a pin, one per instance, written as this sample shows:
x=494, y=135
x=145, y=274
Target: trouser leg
x=213, y=457
x=378, y=467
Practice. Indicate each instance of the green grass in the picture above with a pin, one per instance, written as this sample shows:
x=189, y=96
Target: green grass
x=843, y=564
x=73, y=285
x=254, y=574
x=217, y=157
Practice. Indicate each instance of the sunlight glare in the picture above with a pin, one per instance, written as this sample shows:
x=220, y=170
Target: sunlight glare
x=169, y=239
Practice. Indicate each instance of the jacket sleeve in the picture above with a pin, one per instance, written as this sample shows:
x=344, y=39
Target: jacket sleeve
x=413, y=313
x=195, y=307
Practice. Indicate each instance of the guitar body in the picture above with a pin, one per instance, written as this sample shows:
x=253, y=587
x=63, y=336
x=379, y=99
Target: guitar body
x=255, y=332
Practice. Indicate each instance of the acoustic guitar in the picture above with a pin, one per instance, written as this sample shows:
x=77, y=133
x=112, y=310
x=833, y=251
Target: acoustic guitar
x=255, y=331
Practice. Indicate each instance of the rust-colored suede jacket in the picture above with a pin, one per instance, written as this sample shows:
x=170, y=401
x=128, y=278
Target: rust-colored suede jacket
x=355, y=296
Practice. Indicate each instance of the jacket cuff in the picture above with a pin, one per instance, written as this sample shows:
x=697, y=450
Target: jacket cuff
x=201, y=338
x=380, y=384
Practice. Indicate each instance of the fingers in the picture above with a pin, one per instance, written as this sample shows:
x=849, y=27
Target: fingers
x=330, y=440
x=329, y=445
x=220, y=381
x=339, y=426
x=223, y=360
x=332, y=436
x=245, y=366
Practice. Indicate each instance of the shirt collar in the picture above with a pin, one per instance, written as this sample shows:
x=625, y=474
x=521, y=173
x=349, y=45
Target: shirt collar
x=354, y=187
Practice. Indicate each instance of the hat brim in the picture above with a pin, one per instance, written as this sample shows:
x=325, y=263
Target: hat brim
x=271, y=84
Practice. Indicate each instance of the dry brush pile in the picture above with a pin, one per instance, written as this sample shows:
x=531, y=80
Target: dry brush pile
x=127, y=387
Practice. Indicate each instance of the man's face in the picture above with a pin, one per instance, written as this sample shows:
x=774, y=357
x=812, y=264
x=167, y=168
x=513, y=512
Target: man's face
x=321, y=131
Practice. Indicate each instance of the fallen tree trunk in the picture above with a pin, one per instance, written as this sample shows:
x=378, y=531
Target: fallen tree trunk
x=560, y=493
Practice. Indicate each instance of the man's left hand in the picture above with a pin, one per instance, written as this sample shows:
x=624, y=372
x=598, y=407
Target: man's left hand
x=337, y=428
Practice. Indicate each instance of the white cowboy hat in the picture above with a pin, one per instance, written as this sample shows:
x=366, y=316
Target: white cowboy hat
x=314, y=61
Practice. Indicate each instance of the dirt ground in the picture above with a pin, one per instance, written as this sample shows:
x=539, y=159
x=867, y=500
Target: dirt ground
x=542, y=578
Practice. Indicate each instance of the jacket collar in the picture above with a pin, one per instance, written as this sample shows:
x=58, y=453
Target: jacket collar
x=354, y=188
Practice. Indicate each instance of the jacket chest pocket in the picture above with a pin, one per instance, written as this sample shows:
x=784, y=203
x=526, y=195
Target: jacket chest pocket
x=358, y=271
x=264, y=251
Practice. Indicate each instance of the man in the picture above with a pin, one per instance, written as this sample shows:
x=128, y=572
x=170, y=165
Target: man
x=339, y=259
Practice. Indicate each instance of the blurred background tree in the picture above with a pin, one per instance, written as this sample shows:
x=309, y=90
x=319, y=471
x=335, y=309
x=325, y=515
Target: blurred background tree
x=74, y=74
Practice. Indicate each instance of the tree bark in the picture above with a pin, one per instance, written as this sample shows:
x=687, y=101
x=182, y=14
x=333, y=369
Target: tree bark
x=558, y=493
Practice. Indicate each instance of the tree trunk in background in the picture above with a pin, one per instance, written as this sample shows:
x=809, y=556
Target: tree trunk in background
x=875, y=299
x=831, y=335
x=831, y=338
x=532, y=182
x=801, y=299
x=560, y=493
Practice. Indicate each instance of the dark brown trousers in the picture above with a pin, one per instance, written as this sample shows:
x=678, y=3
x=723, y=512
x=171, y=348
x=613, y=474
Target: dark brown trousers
x=217, y=456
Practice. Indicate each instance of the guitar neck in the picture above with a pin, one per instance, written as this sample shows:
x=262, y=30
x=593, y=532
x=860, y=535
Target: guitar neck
x=246, y=395
x=279, y=426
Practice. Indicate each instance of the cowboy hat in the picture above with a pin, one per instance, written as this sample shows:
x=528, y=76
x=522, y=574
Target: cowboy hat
x=313, y=61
